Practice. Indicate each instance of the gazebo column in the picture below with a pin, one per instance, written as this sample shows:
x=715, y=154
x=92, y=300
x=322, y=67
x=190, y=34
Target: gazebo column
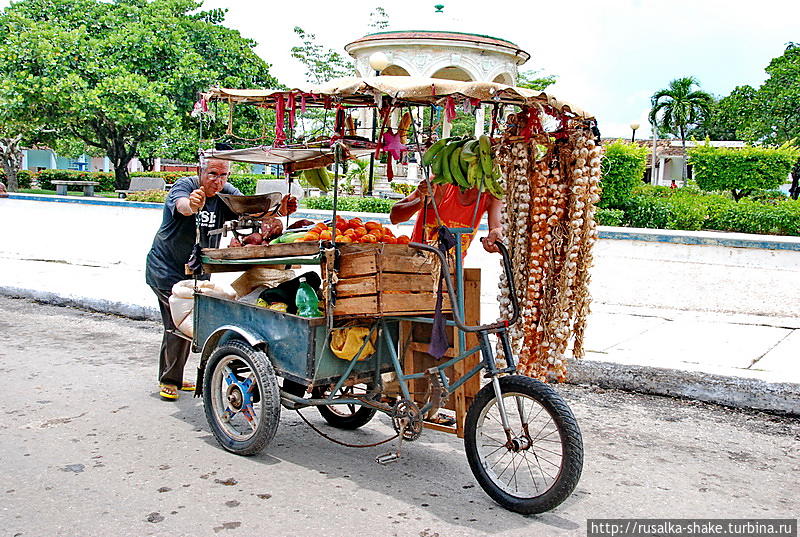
x=480, y=118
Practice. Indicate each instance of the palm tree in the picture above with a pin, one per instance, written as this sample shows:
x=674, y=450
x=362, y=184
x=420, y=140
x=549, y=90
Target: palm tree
x=677, y=107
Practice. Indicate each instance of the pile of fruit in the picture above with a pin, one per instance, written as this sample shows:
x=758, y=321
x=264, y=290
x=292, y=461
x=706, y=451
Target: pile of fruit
x=347, y=231
x=466, y=163
x=354, y=231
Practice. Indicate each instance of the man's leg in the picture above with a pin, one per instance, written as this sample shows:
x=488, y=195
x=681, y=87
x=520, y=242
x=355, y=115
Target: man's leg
x=174, y=349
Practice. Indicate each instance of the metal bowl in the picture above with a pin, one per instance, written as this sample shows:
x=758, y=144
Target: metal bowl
x=259, y=204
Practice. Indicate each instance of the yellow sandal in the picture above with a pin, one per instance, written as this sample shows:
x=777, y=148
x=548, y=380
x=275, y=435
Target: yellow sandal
x=168, y=391
x=188, y=386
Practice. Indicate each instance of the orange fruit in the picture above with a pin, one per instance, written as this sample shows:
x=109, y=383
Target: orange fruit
x=350, y=233
x=387, y=231
x=402, y=239
x=325, y=235
x=368, y=238
x=342, y=226
x=372, y=225
x=354, y=222
x=343, y=239
x=312, y=236
x=388, y=239
x=378, y=233
x=320, y=226
x=360, y=232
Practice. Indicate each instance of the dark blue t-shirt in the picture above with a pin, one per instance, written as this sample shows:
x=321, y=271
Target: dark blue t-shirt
x=174, y=240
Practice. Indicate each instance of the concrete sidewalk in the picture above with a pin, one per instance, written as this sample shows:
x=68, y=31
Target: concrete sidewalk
x=740, y=351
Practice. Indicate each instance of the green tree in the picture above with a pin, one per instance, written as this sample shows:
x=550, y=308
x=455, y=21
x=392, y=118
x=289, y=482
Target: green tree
x=729, y=118
x=535, y=81
x=120, y=75
x=778, y=106
x=678, y=107
x=321, y=63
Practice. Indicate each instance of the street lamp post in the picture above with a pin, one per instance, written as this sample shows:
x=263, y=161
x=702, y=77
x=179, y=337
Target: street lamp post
x=378, y=61
x=634, y=126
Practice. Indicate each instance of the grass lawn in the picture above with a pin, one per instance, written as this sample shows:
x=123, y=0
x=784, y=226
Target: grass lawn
x=53, y=192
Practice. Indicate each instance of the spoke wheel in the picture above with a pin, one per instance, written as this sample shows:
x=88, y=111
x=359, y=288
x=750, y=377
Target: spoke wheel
x=241, y=398
x=349, y=415
x=539, y=466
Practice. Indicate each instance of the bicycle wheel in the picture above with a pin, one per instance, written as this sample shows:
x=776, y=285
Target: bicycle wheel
x=241, y=398
x=540, y=465
x=349, y=415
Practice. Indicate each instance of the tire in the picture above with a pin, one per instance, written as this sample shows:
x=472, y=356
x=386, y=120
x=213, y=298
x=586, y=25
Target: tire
x=349, y=416
x=519, y=477
x=241, y=398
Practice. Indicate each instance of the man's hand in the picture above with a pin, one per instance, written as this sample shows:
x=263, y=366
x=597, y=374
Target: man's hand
x=494, y=235
x=288, y=205
x=422, y=190
x=196, y=200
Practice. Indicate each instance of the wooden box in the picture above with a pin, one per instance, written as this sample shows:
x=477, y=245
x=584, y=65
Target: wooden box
x=386, y=279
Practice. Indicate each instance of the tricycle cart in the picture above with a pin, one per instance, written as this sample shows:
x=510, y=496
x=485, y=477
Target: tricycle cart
x=522, y=441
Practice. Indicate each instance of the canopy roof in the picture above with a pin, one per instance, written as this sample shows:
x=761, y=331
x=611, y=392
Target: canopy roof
x=355, y=91
x=283, y=155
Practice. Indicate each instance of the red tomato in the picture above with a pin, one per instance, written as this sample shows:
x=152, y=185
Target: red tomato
x=402, y=239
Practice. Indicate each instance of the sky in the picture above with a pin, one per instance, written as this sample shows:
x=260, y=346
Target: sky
x=609, y=56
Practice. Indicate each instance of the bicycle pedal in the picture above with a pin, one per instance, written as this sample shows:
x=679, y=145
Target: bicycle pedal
x=387, y=458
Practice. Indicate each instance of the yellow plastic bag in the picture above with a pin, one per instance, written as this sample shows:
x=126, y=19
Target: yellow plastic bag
x=346, y=342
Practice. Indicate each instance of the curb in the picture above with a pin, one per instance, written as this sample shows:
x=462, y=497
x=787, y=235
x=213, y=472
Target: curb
x=738, y=392
x=137, y=313
x=775, y=397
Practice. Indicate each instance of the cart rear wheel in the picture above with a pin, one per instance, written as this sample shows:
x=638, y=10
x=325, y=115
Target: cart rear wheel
x=540, y=466
x=241, y=398
x=345, y=416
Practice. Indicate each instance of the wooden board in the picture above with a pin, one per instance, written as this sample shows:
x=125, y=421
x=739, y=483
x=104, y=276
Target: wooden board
x=263, y=252
x=415, y=357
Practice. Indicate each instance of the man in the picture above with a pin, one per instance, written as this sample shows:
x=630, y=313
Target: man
x=191, y=202
x=456, y=209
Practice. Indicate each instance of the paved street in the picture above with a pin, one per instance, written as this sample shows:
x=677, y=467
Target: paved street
x=89, y=449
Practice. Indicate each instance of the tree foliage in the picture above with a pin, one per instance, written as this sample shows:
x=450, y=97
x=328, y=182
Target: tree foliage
x=119, y=75
x=378, y=19
x=321, y=63
x=622, y=168
x=742, y=170
x=729, y=118
x=535, y=81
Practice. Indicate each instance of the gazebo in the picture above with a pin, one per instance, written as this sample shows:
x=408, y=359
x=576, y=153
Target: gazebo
x=439, y=54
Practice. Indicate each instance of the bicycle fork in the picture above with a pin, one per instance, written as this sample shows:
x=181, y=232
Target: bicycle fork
x=490, y=363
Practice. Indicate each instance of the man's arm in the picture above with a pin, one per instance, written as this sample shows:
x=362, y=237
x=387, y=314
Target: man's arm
x=190, y=205
x=407, y=207
x=493, y=211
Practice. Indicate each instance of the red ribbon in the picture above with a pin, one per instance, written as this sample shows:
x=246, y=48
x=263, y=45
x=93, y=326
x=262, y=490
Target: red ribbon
x=450, y=108
x=280, y=135
x=292, y=111
x=302, y=104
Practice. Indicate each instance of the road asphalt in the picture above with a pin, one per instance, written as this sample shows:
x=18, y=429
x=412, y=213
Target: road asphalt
x=89, y=450
x=709, y=322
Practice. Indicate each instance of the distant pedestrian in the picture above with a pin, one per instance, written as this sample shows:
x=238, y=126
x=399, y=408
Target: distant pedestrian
x=673, y=185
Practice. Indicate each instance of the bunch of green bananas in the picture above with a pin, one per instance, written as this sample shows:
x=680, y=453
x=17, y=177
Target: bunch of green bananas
x=466, y=162
x=318, y=178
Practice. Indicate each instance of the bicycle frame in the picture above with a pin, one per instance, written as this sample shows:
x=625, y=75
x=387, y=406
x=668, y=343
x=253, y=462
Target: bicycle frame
x=456, y=294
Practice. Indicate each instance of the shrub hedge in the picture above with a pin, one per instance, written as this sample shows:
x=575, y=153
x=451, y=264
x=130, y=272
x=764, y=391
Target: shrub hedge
x=153, y=196
x=349, y=203
x=623, y=167
x=741, y=171
x=24, y=178
x=691, y=209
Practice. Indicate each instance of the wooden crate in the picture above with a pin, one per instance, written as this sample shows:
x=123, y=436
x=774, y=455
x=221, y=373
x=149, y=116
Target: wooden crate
x=385, y=279
x=263, y=251
x=415, y=338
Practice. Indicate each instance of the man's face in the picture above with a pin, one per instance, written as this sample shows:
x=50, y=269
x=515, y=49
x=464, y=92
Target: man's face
x=214, y=177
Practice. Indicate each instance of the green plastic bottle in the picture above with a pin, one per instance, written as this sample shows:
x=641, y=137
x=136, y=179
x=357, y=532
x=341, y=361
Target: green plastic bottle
x=306, y=300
